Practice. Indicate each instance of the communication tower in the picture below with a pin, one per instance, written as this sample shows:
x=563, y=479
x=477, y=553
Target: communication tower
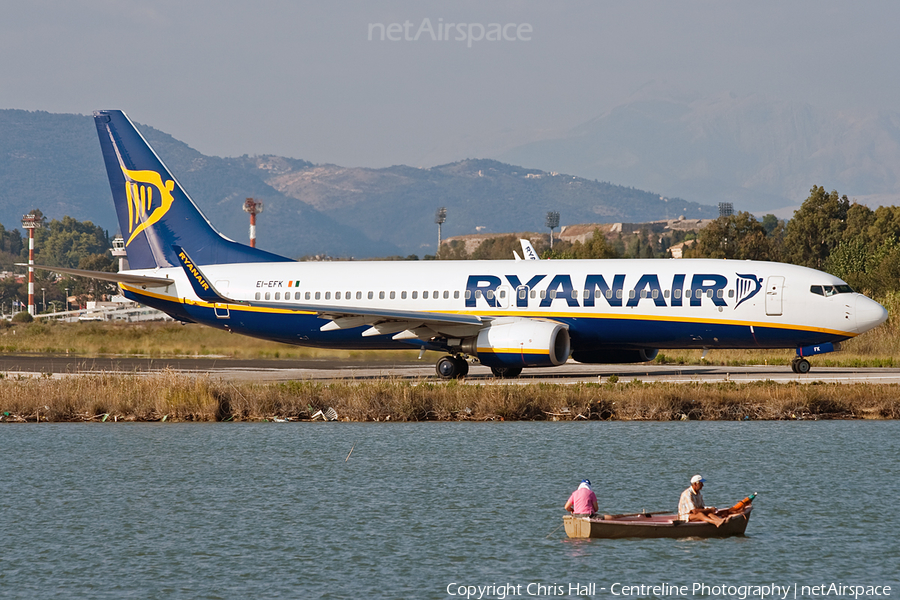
x=254, y=208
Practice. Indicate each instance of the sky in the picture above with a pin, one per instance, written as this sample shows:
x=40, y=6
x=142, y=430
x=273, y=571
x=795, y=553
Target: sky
x=348, y=82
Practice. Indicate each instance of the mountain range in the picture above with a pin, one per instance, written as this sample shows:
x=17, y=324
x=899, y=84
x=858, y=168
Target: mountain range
x=761, y=154
x=53, y=162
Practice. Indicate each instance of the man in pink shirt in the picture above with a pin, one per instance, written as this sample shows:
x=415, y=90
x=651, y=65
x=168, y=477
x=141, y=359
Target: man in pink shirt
x=583, y=501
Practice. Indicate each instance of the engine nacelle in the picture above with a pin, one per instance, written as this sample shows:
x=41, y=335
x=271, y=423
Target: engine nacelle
x=520, y=343
x=610, y=357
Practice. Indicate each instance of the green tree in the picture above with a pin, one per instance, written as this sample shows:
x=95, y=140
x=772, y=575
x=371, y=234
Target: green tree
x=817, y=228
x=64, y=243
x=739, y=236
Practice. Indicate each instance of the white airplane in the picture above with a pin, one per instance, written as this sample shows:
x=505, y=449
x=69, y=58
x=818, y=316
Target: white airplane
x=505, y=314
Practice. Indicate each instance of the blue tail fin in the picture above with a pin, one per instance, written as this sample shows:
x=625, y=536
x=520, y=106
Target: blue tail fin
x=155, y=213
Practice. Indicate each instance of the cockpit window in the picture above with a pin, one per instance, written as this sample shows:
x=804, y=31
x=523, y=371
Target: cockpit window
x=830, y=290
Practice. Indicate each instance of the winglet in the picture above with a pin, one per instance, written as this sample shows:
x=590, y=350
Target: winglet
x=528, y=250
x=202, y=287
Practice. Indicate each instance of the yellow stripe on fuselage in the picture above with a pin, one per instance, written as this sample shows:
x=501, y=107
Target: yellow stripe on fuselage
x=515, y=313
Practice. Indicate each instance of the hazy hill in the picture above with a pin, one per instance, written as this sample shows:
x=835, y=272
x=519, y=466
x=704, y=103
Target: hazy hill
x=53, y=162
x=758, y=153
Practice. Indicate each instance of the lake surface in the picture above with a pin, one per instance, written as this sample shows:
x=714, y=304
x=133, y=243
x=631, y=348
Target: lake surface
x=274, y=510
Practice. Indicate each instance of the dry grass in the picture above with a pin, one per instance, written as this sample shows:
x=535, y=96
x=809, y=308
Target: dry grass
x=175, y=397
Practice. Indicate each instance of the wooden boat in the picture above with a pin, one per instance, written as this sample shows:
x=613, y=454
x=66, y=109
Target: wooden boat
x=652, y=525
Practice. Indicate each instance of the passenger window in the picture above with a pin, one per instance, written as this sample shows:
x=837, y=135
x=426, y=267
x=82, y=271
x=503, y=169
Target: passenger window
x=318, y=295
x=370, y=295
x=552, y=294
x=522, y=293
x=643, y=293
x=403, y=295
x=608, y=294
x=468, y=294
x=655, y=294
x=709, y=293
x=574, y=294
x=699, y=293
x=618, y=294
x=359, y=295
x=381, y=295
x=731, y=293
x=435, y=296
x=425, y=295
x=307, y=295
x=278, y=295
x=257, y=295
x=534, y=294
x=347, y=296
x=268, y=296
x=676, y=293
x=666, y=294
x=720, y=293
x=328, y=295
x=415, y=295
x=337, y=295
x=447, y=295
x=393, y=294
x=456, y=294
x=631, y=294
x=477, y=294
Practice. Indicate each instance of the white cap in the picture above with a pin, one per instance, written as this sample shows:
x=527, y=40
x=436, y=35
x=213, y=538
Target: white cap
x=697, y=478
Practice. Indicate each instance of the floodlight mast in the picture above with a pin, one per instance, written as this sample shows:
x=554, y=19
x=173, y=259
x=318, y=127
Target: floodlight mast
x=439, y=217
x=552, y=223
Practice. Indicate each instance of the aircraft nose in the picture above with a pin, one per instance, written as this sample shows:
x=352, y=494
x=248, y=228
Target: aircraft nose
x=869, y=314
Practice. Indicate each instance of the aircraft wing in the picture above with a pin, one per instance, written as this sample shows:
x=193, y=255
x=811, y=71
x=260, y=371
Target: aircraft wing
x=142, y=280
x=405, y=324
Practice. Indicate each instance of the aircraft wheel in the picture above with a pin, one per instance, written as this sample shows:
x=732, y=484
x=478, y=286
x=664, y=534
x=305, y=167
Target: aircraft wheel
x=463, y=366
x=506, y=372
x=448, y=367
x=801, y=366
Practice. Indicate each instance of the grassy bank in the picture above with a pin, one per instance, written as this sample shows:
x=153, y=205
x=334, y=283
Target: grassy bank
x=172, y=397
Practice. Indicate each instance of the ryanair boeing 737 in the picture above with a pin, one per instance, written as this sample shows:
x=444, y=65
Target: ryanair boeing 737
x=505, y=314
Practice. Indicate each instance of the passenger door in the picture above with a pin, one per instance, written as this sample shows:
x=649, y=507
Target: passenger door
x=774, y=288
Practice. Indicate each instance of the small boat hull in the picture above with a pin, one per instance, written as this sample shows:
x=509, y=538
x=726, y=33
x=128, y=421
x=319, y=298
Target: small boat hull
x=652, y=526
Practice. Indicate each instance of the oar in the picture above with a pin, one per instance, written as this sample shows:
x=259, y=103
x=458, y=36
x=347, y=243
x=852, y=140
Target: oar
x=659, y=512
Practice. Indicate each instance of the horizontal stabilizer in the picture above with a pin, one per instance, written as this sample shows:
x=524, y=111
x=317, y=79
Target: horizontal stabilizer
x=142, y=280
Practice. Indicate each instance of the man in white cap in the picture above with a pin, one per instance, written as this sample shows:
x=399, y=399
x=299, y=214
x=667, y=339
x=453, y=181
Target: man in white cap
x=691, y=507
x=583, y=501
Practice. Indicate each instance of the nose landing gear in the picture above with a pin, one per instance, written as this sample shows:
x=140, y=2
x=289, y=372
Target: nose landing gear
x=800, y=365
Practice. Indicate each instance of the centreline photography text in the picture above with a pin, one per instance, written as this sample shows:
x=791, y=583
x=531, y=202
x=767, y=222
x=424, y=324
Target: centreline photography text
x=741, y=591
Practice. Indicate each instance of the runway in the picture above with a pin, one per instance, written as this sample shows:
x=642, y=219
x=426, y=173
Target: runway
x=261, y=371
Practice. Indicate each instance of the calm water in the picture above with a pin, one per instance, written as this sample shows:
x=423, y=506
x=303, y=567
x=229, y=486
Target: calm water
x=272, y=510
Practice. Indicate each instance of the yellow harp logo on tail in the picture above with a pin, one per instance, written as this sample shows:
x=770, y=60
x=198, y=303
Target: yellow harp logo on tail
x=148, y=199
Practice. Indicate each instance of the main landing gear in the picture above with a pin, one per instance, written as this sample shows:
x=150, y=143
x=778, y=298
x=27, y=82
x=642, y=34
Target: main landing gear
x=506, y=372
x=452, y=367
x=800, y=365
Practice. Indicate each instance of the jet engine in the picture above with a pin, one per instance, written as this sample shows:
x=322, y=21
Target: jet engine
x=519, y=343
